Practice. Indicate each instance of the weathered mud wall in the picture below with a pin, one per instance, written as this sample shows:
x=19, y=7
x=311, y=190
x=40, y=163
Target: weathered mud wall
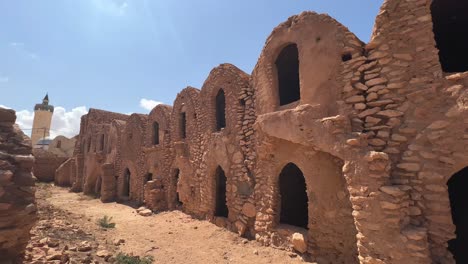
x=17, y=201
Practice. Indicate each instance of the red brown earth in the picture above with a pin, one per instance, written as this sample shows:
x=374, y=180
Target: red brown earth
x=67, y=232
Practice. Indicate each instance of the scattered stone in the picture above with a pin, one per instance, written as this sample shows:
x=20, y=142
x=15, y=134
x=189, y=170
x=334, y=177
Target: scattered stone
x=84, y=246
x=299, y=243
x=145, y=212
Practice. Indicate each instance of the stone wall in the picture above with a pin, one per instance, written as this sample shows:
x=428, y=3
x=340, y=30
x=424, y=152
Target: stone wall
x=62, y=146
x=45, y=164
x=133, y=159
x=17, y=201
x=66, y=173
x=160, y=188
x=339, y=149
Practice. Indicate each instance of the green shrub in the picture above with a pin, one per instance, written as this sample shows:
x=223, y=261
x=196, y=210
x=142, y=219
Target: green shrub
x=105, y=222
x=123, y=258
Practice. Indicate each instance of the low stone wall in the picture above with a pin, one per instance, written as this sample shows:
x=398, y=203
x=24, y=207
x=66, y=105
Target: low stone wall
x=45, y=165
x=65, y=173
x=17, y=201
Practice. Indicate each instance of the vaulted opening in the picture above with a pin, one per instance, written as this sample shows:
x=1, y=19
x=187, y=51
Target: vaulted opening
x=97, y=189
x=458, y=203
x=287, y=65
x=149, y=177
x=126, y=183
x=220, y=110
x=450, y=20
x=101, y=141
x=176, y=180
x=89, y=144
x=59, y=144
x=183, y=125
x=221, y=206
x=155, y=133
x=294, y=201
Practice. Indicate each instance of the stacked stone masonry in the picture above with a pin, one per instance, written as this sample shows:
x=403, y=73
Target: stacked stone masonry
x=17, y=201
x=345, y=151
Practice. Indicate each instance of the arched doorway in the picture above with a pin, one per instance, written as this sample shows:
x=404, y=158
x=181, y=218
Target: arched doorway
x=149, y=177
x=126, y=183
x=287, y=66
x=97, y=189
x=155, y=133
x=220, y=110
x=221, y=208
x=183, y=125
x=450, y=21
x=294, y=201
x=176, y=182
x=458, y=203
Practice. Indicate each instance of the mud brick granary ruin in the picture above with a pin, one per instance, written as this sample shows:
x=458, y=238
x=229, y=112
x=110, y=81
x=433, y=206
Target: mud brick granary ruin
x=17, y=202
x=349, y=152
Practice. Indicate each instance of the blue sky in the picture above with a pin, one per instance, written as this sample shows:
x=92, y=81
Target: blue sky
x=111, y=54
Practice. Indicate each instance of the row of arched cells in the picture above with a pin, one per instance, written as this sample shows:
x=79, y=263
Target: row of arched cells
x=451, y=35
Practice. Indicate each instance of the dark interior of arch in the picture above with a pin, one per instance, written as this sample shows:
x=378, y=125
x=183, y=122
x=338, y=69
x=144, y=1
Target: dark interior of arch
x=287, y=65
x=149, y=177
x=458, y=203
x=294, y=210
x=97, y=189
x=220, y=110
x=221, y=206
x=450, y=18
x=155, y=133
x=101, y=147
x=183, y=125
x=126, y=183
x=176, y=178
x=89, y=145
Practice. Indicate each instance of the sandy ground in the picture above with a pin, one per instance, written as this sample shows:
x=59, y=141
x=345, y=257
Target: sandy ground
x=170, y=237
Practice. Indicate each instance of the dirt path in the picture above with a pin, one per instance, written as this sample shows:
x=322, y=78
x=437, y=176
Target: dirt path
x=171, y=237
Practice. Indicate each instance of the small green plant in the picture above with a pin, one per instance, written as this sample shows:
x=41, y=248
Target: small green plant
x=106, y=222
x=123, y=258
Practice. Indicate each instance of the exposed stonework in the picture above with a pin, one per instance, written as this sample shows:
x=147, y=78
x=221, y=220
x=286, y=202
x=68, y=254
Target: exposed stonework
x=336, y=148
x=17, y=202
x=48, y=160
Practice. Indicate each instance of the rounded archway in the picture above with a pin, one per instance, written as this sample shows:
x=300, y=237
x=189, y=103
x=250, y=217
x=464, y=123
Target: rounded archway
x=221, y=208
x=178, y=202
x=287, y=65
x=458, y=203
x=126, y=183
x=450, y=26
x=294, y=200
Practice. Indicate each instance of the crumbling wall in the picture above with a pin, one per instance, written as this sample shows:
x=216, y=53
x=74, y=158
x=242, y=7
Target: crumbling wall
x=223, y=99
x=133, y=158
x=62, y=146
x=92, y=148
x=285, y=134
x=159, y=191
x=66, y=173
x=45, y=165
x=420, y=108
x=186, y=141
x=17, y=202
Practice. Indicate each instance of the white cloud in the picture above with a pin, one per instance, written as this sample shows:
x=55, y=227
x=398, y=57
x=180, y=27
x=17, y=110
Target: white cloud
x=4, y=106
x=4, y=79
x=21, y=48
x=16, y=44
x=112, y=7
x=66, y=123
x=148, y=104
